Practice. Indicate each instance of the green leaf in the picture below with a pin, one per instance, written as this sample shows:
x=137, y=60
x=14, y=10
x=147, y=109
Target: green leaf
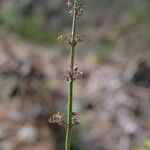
x=147, y=144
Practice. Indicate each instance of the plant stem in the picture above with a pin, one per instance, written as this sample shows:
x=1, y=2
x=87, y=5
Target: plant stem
x=70, y=86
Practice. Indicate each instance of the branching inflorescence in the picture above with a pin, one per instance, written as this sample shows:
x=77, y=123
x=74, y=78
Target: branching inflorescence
x=71, y=74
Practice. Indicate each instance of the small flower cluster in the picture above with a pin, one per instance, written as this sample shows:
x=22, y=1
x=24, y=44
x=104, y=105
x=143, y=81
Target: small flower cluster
x=70, y=75
x=74, y=119
x=64, y=38
x=68, y=39
x=76, y=8
x=59, y=118
x=79, y=38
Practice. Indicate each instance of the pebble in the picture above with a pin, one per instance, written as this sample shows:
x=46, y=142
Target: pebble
x=28, y=134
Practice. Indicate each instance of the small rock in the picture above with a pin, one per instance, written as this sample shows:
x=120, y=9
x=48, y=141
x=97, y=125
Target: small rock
x=28, y=134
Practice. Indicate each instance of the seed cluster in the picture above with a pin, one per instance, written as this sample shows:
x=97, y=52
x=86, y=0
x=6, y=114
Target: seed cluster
x=70, y=75
x=68, y=39
x=74, y=119
x=79, y=38
x=64, y=39
x=59, y=118
x=76, y=8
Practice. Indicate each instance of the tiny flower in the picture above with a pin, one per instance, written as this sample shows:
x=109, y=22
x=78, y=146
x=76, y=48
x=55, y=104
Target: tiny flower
x=70, y=3
x=60, y=38
x=58, y=118
x=74, y=119
x=75, y=68
x=65, y=39
x=70, y=75
x=67, y=75
x=79, y=38
x=76, y=8
x=73, y=113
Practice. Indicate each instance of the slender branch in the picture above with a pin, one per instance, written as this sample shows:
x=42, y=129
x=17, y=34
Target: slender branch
x=70, y=86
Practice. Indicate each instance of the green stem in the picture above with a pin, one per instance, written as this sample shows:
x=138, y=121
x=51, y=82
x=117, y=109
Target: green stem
x=70, y=86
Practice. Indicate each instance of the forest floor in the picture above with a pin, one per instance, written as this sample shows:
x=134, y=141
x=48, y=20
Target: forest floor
x=112, y=101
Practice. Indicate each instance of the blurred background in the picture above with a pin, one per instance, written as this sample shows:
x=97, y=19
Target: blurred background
x=113, y=101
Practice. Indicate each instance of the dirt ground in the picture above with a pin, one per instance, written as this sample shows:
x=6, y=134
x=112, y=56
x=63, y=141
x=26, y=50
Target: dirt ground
x=112, y=101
